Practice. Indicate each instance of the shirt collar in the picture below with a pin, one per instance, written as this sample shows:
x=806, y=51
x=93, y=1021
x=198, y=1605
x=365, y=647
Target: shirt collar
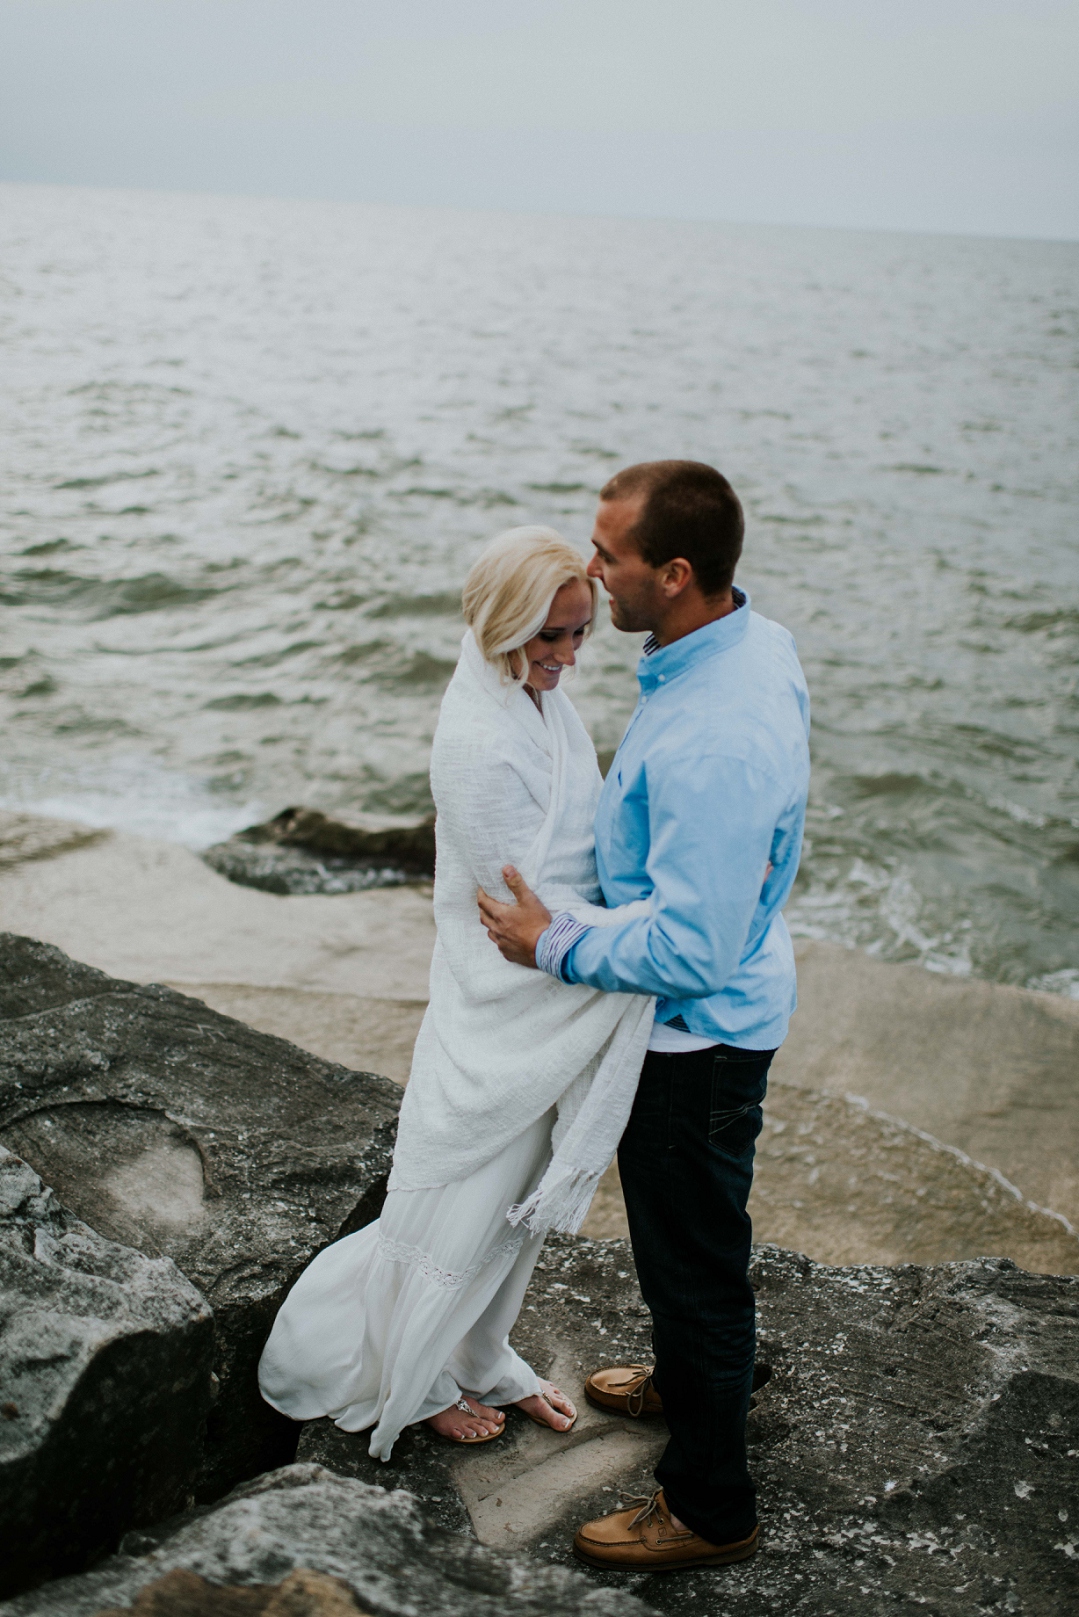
x=659, y=664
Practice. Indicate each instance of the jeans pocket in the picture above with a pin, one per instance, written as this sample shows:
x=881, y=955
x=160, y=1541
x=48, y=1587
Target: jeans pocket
x=739, y=1079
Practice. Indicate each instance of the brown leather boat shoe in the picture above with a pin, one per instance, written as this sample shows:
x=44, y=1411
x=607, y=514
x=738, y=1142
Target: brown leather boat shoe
x=628, y=1389
x=643, y=1539
x=625, y=1388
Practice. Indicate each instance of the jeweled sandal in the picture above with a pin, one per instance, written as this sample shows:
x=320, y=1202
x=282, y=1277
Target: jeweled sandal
x=559, y=1431
x=488, y=1437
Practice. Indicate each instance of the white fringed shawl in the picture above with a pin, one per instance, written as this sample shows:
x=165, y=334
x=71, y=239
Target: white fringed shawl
x=501, y=1044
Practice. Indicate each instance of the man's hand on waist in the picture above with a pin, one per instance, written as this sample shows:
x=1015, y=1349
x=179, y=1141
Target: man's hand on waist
x=518, y=927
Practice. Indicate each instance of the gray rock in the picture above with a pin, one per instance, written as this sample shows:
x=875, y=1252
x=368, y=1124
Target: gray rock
x=305, y=851
x=422, y=1464
x=917, y=1438
x=184, y=1134
x=292, y=870
x=105, y=1360
x=378, y=1543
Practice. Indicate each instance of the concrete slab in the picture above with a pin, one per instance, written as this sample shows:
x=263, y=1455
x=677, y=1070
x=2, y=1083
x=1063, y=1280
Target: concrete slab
x=845, y=1184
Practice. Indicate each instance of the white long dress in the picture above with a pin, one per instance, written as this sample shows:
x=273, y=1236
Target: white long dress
x=391, y=1324
x=518, y=1082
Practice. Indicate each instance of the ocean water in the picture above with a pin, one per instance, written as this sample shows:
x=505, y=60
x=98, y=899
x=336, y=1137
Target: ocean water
x=250, y=448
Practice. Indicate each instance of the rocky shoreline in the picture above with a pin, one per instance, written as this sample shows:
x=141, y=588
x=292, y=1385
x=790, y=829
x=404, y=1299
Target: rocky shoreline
x=914, y=1437
x=171, y=1162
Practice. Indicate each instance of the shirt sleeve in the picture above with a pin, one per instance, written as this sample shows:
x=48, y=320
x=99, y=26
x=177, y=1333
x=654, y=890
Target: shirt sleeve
x=553, y=945
x=712, y=827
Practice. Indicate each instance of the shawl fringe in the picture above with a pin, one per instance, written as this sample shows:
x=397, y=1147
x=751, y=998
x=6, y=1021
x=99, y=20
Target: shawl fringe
x=560, y=1201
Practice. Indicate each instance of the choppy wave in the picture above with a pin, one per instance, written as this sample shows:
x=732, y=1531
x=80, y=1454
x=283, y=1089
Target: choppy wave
x=253, y=446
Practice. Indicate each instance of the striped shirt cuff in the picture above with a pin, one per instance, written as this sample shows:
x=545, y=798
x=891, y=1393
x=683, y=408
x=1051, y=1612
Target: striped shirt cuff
x=555, y=944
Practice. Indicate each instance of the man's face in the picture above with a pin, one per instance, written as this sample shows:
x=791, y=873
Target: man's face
x=633, y=587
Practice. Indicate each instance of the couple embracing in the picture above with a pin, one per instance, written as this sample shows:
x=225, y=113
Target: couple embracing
x=621, y=987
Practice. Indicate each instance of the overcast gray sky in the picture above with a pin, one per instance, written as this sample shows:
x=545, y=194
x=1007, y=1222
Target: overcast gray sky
x=957, y=115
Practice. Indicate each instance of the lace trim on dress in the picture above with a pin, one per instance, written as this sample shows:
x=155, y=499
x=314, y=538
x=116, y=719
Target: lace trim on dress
x=400, y=1252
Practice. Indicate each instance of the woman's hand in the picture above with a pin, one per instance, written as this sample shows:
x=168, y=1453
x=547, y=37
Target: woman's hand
x=516, y=928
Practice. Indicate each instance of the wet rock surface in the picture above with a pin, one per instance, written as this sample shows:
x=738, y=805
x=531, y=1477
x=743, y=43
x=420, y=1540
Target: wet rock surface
x=184, y=1134
x=916, y=1442
x=305, y=851
x=105, y=1383
x=847, y=1184
x=378, y=1544
x=25, y=837
x=982, y=1066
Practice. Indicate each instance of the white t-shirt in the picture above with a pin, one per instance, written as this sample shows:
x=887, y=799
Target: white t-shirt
x=676, y=1040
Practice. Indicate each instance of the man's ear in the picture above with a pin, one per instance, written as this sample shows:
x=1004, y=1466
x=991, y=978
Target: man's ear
x=677, y=575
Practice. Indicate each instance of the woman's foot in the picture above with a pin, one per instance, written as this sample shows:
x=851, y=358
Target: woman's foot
x=549, y=1407
x=467, y=1421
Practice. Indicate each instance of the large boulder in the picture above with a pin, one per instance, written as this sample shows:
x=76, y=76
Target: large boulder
x=376, y=1544
x=917, y=1439
x=302, y=850
x=914, y=1438
x=105, y=1371
x=186, y=1135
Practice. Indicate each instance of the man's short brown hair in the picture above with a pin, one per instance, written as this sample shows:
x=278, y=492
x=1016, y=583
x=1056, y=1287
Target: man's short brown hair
x=690, y=510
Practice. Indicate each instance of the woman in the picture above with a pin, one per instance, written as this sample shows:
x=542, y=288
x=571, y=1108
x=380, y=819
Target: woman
x=520, y=1085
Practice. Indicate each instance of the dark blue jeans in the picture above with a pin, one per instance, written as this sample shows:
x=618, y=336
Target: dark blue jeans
x=686, y=1161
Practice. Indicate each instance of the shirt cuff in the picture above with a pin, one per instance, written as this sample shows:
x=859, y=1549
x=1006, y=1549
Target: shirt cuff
x=554, y=945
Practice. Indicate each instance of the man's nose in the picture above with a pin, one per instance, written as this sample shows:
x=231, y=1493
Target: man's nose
x=594, y=570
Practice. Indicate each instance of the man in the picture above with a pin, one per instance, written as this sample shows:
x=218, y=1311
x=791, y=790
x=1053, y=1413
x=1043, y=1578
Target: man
x=702, y=812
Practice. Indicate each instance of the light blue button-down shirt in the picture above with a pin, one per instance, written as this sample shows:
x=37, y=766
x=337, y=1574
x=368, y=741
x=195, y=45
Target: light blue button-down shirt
x=706, y=791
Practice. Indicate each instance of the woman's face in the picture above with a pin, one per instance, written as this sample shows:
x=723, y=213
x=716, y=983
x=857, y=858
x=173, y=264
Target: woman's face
x=556, y=645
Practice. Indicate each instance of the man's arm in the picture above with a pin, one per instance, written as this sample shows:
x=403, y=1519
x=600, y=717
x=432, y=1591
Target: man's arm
x=711, y=830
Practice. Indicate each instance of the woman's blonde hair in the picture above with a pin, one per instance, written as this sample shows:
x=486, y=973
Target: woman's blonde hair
x=509, y=590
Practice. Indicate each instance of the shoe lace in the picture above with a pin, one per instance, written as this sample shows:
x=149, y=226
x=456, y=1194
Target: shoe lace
x=648, y=1503
x=637, y=1391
